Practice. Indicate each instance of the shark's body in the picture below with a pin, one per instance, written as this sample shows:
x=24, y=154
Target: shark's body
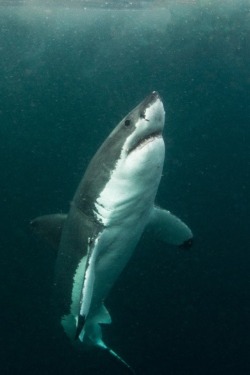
x=112, y=206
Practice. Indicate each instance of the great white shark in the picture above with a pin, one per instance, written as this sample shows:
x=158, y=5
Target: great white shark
x=112, y=207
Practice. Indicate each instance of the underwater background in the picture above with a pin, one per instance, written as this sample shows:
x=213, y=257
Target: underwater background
x=67, y=77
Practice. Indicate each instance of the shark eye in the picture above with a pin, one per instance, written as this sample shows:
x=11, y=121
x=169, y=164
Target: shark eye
x=127, y=123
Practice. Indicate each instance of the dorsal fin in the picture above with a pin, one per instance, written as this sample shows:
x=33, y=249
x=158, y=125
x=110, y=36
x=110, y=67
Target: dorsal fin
x=49, y=227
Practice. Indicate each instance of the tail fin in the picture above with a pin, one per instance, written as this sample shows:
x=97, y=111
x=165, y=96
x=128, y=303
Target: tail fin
x=119, y=360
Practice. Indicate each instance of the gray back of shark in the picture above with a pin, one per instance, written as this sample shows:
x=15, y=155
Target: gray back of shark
x=112, y=206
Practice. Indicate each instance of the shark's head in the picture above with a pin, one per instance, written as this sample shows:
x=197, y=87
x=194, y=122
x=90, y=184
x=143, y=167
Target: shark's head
x=144, y=124
x=136, y=133
x=130, y=159
x=141, y=143
x=141, y=126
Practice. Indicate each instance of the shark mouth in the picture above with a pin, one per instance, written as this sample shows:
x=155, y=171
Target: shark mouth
x=142, y=142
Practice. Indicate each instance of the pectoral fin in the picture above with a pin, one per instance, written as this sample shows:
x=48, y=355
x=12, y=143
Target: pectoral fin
x=49, y=227
x=169, y=228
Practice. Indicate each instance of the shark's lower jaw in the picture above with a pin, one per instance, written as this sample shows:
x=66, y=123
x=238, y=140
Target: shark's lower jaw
x=142, y=142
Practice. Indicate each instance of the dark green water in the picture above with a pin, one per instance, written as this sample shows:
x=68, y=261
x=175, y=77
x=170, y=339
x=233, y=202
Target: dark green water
x=66, y=78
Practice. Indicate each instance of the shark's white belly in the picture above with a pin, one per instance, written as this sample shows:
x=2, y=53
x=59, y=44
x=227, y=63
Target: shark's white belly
x=115, y=247
x=124, y=207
